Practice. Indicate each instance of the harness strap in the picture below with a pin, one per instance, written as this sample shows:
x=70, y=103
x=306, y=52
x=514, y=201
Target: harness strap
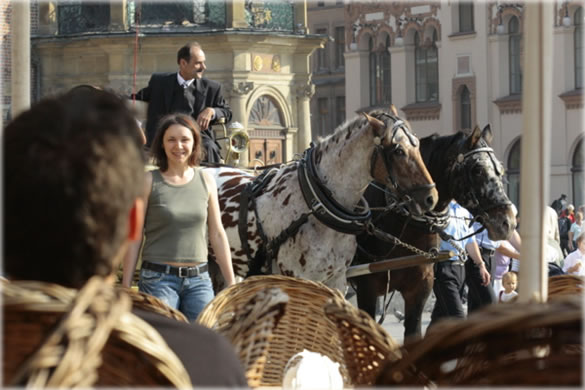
x=248, y=194
x=323, y=206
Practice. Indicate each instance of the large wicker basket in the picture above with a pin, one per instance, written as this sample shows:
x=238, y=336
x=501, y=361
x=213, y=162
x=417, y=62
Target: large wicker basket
x=561, y=285
x=366, y=345
x=304, y=324
x=152, y=304
x=56, y=337
x=520, y=344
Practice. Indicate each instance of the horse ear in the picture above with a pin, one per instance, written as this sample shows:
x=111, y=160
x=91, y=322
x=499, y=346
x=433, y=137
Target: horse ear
x=377, y=124
x=393, y=110
x=487, y=134
x=474, y=137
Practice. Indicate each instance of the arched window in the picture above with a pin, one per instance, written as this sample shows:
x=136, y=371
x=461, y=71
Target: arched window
x=513, y=173
x=427, y=69
x=380, y=83
x=465, y=17
x=373, y=67
x=577, y=173
x=465, y=108
x=515, y=70
x=578, y=39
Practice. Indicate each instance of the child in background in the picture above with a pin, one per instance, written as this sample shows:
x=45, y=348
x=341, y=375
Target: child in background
x=510, y=281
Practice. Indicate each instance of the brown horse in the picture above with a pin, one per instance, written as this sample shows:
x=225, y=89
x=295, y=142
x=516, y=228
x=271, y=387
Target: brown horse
x=464, y=168
x=300, y=220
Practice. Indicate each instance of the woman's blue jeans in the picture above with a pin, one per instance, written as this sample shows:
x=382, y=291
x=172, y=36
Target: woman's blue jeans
x=188, y=295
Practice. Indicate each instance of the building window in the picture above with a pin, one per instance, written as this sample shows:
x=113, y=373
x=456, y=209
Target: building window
x=427, y=69
x=322, y=53
x=465, y=108
x=514, y=42
x=578, y=39
x=339, y=47
x=75, y=16
x=466, y=17
x=380, y=83
x=323, y=107
x=577, y=173
x=340, y=109
x=513, y=173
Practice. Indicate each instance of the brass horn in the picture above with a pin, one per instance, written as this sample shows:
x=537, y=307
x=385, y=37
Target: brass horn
x=238, y=142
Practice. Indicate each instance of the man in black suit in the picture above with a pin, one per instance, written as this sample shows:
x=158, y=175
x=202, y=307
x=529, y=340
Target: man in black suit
x=188, y=92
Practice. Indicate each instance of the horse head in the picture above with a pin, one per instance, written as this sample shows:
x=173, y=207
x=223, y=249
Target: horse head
x=398, y=164
x=476, y=179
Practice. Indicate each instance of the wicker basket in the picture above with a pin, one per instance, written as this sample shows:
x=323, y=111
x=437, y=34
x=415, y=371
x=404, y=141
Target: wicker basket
x=366, y=345
x=525, y=344
x=57, y=337
x=561, y=285
x=152, y=304
x=251, y=329
x=303, y=326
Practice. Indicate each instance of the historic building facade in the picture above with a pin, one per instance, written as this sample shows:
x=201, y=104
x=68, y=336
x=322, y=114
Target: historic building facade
x=448, y=66
x=328, y=65
x=259, y=51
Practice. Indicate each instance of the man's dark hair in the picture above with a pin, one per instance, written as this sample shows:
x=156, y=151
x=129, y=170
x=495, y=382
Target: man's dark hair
x=184, y=53
x=157, y=149
x=73, y=168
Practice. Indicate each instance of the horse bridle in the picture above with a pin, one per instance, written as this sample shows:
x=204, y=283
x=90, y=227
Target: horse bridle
x=473, y=201
x=385, y=152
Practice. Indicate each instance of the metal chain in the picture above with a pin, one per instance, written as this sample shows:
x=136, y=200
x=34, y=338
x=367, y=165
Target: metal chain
x=433, y=253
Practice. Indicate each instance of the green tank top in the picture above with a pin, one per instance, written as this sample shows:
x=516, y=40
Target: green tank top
x=175, y=227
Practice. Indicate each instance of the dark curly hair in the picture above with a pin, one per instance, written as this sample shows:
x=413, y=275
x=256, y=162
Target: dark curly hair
x=157, y=148
x=73, y=167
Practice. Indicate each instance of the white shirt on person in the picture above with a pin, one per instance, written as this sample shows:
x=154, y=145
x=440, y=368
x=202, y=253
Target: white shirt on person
x=573, y=258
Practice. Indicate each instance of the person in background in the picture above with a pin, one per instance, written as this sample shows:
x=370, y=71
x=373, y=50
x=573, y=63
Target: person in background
x=510, y=282
x=187, y=92
x=450, y=274
x=73, y=183
x=182, y=213
x=575, y=230
x=573, y=263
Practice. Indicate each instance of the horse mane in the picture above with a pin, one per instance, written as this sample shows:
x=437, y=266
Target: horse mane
x=352, y=124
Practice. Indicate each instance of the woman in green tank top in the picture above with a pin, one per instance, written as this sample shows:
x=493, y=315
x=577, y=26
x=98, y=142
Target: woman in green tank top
x=182, y=214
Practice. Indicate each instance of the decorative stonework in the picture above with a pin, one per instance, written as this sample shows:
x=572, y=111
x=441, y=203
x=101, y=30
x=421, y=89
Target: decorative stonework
x=306, y=91
x=422, y=111
x=378, y=16
x=511, y=104
x=572, y=99
x=242, y=88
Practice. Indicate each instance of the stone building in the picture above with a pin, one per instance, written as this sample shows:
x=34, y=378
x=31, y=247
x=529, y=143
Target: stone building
x=449, y=65
x=258, y=50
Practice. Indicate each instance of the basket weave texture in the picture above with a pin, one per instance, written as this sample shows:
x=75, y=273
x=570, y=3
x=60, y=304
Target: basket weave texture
x=366, y=345
x=251, y=329
x=152, y=304
x=304, y=324
x=561, y=285
x=58, y=337
x=525, y=344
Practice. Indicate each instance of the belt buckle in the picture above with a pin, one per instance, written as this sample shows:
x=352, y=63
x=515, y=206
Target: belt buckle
x=183, y=272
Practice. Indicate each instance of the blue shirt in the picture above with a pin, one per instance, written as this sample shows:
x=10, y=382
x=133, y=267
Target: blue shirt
x=458, y=228
x=483, y=240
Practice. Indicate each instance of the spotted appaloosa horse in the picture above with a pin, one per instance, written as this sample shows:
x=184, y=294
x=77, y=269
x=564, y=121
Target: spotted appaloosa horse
x=378, y=147
x=465, y=168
